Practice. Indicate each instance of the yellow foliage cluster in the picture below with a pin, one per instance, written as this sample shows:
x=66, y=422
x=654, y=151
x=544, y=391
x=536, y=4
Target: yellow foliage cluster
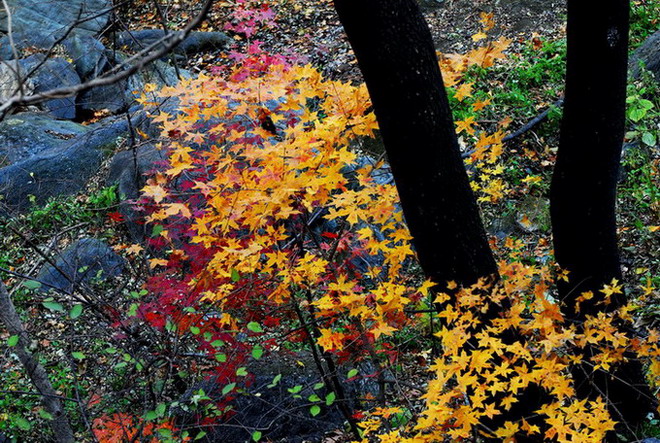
x=261, y=182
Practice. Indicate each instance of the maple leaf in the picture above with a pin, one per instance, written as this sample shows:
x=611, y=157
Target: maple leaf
x=465, y=125
x=330, y=340
x=463, y=91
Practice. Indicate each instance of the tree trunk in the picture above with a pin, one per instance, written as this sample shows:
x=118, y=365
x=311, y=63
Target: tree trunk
x=395, y=52
x=583, y=190
x=60, y=424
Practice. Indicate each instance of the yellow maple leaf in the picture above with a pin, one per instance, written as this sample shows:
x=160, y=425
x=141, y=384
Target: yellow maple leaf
x=463, y=91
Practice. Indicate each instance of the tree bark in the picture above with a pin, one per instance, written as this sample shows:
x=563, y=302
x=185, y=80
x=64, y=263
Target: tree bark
x=583, y=189
x=51, y=401
x=395, y=52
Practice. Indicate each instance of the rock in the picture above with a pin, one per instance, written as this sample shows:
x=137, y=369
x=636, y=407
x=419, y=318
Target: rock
x=62, y=170
x=27, y=134
x=9, y=81
x=120, y=95
x=650, y=440
x=130, y=180
x=279, y=414
x=88, y=55
x=194, y=43
x=24, y=40
x=54, y=18
x=53, y=73
x=648, y=54
x=88, y=260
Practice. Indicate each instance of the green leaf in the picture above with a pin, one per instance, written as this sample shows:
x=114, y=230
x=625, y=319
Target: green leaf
x=649, y=139
x=44, y=414
x=164, y=432
x=75, y=312
x=195, y=330
x=275, y=381
x=221, y=357
x=227, y=389
x=22, y=423
x=314, y=398
x=319, y=385
x=257, y=352
x=200, y=435
x=330, y=399
x=78, y=355
x=241, y=372
x=254, y=327
x=315, y=410
x=156, y=230
x=132, y=310
x=151, y=416
x=53, y=306
x=12, y=341
x=217, y=343
x=31, y=284
x=295, y=389
x=256, y=435
x=160, y=409
x=235, y=276
x=352, y=373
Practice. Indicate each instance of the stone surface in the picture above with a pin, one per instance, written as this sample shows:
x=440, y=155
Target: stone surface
x=63, y=170
x=120, y=96
x=274, y=410
x=56, y=17
x=127, y=171
x=649, y=54
x=53, y=73
x=27, y=134
x=88, y=260
x=88, y=55
x=9, y=84
x=195, y=42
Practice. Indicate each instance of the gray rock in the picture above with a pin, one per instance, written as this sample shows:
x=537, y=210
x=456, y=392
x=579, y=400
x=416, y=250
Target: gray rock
x=53, y=73
x=194, y=43
x=120, y=96
x=88, y=55
x=127, y=171
x=56, y=17
x=10, y=72
x=88, y=260
x=62, y=170
x=651, y=440
x=279, y=414
x=23, y=40
x=649, y=55
x=27, y=134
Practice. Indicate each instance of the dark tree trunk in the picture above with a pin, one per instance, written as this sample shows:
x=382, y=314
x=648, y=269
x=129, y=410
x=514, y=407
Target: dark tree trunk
x=583, y=191
x=395, y=52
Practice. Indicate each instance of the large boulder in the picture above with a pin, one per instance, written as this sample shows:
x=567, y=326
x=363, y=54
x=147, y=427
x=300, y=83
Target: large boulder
x=88, y=55
x=39, y=23
x=63, y=170
x=86, y=261
x=9, y=80
x=647, y=54
x=120, y=95
x=51, y=74
x=27, y=134
x=195, y=42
